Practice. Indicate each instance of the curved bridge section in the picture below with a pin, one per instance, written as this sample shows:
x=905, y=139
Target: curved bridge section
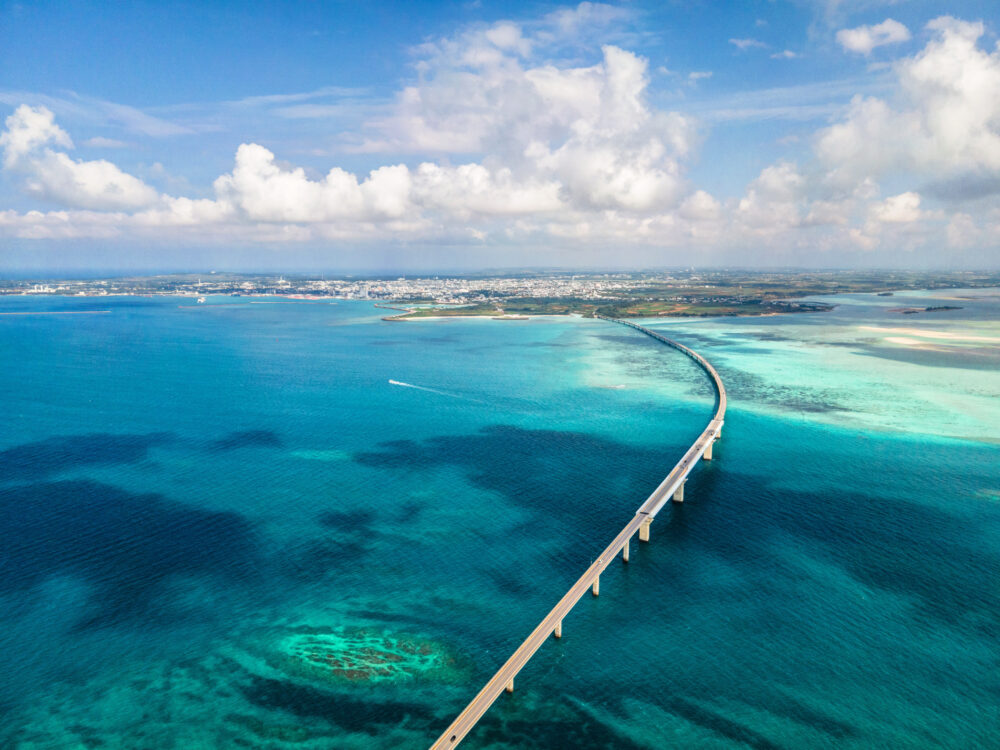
x=670, y=488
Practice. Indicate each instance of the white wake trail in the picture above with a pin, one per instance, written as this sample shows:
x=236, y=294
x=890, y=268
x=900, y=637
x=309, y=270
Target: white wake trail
x=433, y=390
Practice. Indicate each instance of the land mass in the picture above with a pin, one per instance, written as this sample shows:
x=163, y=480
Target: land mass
x=915, y=310
x=513, y=295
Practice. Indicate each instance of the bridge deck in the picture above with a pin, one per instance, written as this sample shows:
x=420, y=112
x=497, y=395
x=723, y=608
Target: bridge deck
x=647, y=511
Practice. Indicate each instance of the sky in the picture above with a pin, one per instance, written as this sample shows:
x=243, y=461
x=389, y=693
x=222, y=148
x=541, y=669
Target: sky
x=427, y=136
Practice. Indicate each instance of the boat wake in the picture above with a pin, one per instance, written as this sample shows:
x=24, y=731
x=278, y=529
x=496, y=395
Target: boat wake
x=433, y=390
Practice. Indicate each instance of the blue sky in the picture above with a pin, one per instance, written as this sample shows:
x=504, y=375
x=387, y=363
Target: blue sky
x=368, y=136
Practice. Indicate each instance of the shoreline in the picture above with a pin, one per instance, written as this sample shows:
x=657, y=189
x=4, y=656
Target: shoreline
x=407, y=316
x=407, y=313
x=529, y=316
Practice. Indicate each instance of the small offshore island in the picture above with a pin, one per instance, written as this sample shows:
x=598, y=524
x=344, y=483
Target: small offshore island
x=513, y=295
x=915, y=310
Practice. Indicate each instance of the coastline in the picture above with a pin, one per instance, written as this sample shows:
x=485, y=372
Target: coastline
x=282, y=488
x=697, y=311
x=409, y=316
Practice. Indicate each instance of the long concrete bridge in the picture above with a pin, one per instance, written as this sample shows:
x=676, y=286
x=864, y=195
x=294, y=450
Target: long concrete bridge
x=670, y=488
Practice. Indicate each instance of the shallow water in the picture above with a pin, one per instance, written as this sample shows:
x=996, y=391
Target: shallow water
x=186, y=490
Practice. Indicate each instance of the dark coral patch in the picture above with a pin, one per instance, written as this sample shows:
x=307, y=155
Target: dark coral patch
x=310, y=702
x=719, y=724
x=248, y=439
x=526, y=466
x=347, y=520
x=126, y=545
x=68, y=452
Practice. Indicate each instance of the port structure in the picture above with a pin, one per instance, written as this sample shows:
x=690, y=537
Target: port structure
x=671, y=488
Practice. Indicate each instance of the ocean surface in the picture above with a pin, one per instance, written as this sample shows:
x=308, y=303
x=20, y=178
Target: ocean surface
x=222, y=525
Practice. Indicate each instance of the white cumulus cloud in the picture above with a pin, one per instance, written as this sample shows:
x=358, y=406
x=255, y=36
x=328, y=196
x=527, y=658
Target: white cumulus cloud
x=897, y=209
x=263, y=191
x=864, y=39
x=700, y=206
x=28, y=129
x=53, y=175
x=508, y=138
x=946, y=120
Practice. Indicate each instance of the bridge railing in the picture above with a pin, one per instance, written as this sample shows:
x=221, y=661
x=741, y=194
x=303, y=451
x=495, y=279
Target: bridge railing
x=670, y=488
x=720, y=389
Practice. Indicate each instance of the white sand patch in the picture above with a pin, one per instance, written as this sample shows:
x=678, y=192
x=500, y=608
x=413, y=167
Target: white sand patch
x=938, y=335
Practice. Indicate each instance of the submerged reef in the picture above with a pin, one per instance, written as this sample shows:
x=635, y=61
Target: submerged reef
x=301, y=687
x=366, y=655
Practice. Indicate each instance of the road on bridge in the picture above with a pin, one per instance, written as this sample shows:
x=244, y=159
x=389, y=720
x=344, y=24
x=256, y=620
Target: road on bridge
x=552, y=624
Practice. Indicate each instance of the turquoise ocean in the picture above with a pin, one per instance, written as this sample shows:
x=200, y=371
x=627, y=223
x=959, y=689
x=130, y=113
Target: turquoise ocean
x=221, y=525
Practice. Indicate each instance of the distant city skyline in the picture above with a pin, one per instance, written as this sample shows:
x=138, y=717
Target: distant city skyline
x=426, y=137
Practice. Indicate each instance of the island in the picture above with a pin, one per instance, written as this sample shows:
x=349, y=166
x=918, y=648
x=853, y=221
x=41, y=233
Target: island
x=915, y=310
x=514, y=295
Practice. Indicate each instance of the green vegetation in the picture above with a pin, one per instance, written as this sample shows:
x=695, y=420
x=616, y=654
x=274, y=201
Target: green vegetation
x=700, y=293
x=508, y=306
x=626, y=308
x=707, y=308
x=668, y=293
x=548, y=305
x=451, y=311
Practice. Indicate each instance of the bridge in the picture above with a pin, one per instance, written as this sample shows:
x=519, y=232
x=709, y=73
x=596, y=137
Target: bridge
x=670, y=488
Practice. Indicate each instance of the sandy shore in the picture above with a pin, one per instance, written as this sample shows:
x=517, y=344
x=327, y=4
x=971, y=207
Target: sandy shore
x=405, y=316
x=906, y=334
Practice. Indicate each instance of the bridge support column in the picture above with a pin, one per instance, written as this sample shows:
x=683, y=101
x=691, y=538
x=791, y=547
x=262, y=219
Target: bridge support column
x=625, y=551
x=679, y=494
x=558, y=631
x=707, y=455
x=595, y=588
x=644, y=530
x=510, y=686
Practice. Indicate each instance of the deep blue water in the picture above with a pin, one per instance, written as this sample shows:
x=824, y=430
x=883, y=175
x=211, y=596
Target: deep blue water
x=184, y=487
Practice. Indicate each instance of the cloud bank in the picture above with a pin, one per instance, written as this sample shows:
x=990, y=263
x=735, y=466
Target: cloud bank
x=500, y=140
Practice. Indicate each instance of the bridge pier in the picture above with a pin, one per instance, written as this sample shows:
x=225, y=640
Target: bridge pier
x=481, y=703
